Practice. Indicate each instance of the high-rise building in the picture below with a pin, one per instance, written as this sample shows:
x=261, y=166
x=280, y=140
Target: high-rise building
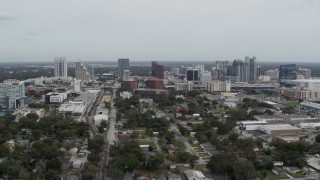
x=91, y=71
x=12, y=96
x=206, y=76
x=60, y=67
x=258, y=71
x=274, y=74
x=159, y=71
x=153, y=68
x=222, y=66
x=306, y=73
x=193, y=75
x=175, y=71
x=221, y=69
x=252, y=69
x=82, y=72
x=288, y=71
x=123, y=64
x=240, y=69
x=201, y=69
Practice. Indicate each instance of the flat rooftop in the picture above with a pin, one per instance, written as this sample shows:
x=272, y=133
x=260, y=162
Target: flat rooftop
x=271, y=127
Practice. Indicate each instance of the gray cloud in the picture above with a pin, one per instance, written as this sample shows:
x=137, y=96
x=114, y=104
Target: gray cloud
x=32, y=34
x=5, y=16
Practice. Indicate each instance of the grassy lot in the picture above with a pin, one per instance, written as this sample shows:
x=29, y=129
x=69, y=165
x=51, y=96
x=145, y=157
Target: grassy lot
x=271, y=175
x=290, y=103
x=146, y=142
x=178, y=144
x=218, y=110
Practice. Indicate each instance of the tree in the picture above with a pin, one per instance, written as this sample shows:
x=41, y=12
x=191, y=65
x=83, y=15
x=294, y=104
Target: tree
x=318, y=138
x=155, y=161
x=244, y=170
x=221, y=163
x=107, y=105
x=233, y=137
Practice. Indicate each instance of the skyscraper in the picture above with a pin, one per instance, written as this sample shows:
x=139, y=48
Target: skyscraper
x=252, y=68
x=288, y=71
x=221, y=70
x=159, y=73
x=60, y=67
x=192, y=74
x=82, y=72
x=91, y=71
x=123, y=64
x=153, y=68
x=240, y=69
x=222, y=66
x=157, y=70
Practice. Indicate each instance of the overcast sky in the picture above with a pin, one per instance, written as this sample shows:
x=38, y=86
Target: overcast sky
x=97, y=30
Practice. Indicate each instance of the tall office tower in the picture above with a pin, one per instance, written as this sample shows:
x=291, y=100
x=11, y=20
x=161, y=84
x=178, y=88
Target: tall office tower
x=240, y=69
x=123, y=64
x=258, y=71
x=159, y=73
x=82, y=72
x=12, y=96
x=192, y=74
x=60, y=67
x=222, y=66
x=252, y=68
x=91, y=71
x=153, y=68
x=305, y=72
x=288, y=71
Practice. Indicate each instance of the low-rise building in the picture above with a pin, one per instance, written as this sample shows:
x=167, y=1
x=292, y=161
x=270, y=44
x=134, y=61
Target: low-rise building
x=218, y=86
x=194, y=175
x=129, y=85
x=184, y=86
x=126, y=94
x=279, y=129
x=99, y=118
x=310, y=106
x=55, y=97
x=154, y=83
x=75, y=108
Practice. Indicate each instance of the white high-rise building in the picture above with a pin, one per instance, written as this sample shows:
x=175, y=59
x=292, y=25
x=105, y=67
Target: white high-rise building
x=91, y=71
x=12, y=96
x=206, y=76
x=60, y=67
x=81, y=72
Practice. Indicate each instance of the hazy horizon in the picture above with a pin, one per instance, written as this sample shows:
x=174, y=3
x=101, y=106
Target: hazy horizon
x=175, y=30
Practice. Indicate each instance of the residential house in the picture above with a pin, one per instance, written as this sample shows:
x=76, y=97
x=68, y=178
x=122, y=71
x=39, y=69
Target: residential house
x=194, y=175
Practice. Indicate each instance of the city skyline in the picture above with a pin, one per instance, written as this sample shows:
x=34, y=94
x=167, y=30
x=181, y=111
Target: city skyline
x=189, y=30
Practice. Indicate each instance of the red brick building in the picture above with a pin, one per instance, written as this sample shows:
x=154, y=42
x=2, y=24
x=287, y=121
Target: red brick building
x=129, y=85
x=154, y=83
